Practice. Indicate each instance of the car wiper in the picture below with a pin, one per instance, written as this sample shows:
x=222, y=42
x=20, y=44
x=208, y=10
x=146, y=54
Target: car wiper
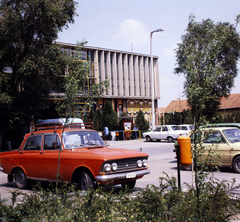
x=76, y=145
x=93, y=145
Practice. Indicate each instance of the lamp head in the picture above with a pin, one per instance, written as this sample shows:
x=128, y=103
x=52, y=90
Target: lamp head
x=158, y=30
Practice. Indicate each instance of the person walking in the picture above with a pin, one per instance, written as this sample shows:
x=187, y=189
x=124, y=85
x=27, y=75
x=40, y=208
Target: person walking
x=135, y=132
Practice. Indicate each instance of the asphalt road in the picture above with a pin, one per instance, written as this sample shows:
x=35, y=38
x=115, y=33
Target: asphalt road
x=161, y=159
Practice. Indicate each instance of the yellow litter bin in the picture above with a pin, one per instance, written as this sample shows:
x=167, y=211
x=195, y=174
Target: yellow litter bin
x=184, y=143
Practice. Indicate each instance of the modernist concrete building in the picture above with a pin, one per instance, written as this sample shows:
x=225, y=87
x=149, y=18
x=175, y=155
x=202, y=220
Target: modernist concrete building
x=129, y=74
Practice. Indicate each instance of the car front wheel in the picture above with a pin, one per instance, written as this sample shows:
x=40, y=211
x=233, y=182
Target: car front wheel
x=236, y=164
x=85, y=181
x=148, y=139
x=20, y=179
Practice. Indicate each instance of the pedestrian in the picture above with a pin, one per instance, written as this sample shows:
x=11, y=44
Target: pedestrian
x=135, y=132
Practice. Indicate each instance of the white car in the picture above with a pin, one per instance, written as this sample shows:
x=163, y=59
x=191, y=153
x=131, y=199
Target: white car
x=186, y=127
x=165, y=132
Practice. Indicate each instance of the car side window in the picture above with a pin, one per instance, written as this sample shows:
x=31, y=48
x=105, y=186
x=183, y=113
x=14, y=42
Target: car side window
x=197, y=136
x=34, y=143
x=164, y=128
x=213, y=137
x=51, y=142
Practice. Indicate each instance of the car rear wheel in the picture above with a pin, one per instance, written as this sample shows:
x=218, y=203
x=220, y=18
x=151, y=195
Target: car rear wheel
x=170, y=139
x=20, y=179
x=129, y=185
x=85, y=181
x=236, y=164
x=148, y=139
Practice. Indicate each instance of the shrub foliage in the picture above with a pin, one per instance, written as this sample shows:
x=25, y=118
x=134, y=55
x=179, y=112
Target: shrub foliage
x=164, y=203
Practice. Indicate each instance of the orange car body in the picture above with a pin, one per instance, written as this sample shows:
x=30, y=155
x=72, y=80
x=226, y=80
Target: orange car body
x=39, y=155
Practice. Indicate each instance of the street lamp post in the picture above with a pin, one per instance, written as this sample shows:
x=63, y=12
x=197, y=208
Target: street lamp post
x=152, y=75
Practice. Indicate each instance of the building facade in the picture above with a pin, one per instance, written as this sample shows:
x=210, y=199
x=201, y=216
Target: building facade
x=129, y=75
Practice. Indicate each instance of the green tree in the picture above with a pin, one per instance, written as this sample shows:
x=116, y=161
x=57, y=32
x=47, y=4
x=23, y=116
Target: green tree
x=27, y=30
x=109, y=117
x=89, y=116
x=207, y=57
x=75, y=83
x=97, y=121
x=141, y=122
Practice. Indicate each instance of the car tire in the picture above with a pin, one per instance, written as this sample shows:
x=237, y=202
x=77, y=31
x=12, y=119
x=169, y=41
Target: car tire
x=85, y=181
x=170, y=139
x=129, y=185
x=20, y=179
x=236, y=164
x=10, y=178
x=148, y=139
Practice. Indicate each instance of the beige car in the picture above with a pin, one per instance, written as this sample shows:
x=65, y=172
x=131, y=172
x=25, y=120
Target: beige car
x=224, y=141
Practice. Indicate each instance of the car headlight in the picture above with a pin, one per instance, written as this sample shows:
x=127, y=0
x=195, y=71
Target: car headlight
x=114, y=166
x=107, y=167
x=145, y=162
x=139, y=163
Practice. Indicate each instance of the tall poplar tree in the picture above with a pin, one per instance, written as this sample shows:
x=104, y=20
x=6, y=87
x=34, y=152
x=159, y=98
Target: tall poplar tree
x=207, y=57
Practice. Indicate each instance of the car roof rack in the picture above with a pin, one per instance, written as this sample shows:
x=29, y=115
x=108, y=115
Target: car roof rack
x=59, y=125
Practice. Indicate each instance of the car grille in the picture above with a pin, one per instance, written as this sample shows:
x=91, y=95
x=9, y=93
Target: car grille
x=126, y=165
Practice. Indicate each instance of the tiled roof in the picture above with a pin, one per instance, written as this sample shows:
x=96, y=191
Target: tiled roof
x=177, y=106
x=232, y=102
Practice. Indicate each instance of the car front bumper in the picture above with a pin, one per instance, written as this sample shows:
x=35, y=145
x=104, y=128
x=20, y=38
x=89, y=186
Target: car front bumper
x=122, y=176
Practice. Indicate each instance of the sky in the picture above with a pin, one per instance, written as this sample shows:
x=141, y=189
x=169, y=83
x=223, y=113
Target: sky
x=126, y=25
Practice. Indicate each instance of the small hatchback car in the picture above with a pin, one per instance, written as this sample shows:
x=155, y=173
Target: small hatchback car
x=224, y=141
x=83, y=157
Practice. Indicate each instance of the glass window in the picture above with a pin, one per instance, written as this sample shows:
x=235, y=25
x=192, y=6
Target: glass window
x=233, y=135
x=164, y=128
x=78, y=139
x=51, y=142
x=197, y=136
x=34, y=143
x=213, y=137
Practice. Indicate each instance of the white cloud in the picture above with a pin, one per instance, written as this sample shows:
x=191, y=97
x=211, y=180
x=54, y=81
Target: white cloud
x=132, y=32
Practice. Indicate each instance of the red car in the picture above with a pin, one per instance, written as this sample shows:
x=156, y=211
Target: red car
x=84, y=159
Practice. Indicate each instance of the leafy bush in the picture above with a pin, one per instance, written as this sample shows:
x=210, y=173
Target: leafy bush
x=164, y=203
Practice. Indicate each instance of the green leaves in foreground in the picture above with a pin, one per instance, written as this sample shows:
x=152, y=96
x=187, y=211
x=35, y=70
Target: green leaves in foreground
x=163, y=203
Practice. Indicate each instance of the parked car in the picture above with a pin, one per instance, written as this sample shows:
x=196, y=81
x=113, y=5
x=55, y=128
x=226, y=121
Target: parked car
x=186, y=127
x=84, y=158
x=222, y=125
x=224, y=141
x=164, y=132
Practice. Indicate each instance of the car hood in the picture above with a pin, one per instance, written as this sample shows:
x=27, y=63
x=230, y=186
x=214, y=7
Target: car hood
x=109, y=153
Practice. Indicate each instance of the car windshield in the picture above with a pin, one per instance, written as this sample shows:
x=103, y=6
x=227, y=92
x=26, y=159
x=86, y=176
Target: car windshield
x=233, y=135
x=79, y=139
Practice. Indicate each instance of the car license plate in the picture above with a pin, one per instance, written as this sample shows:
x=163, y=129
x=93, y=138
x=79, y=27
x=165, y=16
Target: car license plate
x=130, y=175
